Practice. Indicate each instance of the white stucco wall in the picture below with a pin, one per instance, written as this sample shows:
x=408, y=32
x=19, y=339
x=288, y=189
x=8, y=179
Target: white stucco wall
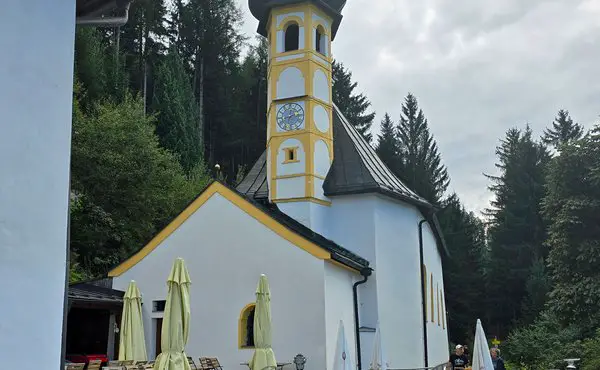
x=398, y=283
x=36, y=74
x=437, y=331
x=226, y=250
x=392, y=295
x=339, y=306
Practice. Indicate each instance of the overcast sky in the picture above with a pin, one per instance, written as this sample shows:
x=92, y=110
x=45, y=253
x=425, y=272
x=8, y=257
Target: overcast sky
x=477, y=67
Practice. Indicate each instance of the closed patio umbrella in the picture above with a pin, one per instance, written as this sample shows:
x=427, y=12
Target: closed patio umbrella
x=176, y=321
x=377, y=362
x=132, y=344
x=482, y=360
x=263, y=357
x=342, y=359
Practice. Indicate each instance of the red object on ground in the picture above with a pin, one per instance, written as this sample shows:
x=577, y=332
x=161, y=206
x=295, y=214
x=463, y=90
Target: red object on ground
x=87, y=358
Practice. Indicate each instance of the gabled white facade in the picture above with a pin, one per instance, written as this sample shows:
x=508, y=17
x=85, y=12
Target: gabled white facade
x=226, y=248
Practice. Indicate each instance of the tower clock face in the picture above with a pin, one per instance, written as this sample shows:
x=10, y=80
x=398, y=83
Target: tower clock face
x=290, y=116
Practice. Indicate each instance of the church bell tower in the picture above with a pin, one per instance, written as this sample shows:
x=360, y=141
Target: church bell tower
x=299, y=98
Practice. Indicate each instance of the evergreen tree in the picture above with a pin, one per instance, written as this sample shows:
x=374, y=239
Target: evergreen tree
x=91, y=64
x=354, y=106
x=563, y=130
x=572, y=207
x=516, y=229
x=536, y=290
x=387, y=142
x=463, y=271
x=124, y=185
x=421, y=165
x=178, y=124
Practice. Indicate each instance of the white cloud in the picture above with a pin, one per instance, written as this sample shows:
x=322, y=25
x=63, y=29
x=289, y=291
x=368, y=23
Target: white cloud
x=478, y=68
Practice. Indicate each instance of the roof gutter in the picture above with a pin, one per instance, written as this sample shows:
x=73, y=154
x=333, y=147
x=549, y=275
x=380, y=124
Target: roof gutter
x=365, y=272
x=103, y=21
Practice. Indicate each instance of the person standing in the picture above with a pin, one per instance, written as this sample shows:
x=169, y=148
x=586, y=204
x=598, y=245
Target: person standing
x=497, y=361
x=458, y=360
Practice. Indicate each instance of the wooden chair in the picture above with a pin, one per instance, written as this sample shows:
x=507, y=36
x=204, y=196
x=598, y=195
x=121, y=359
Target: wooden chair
x=78, y=366
x=192, y=363
x=94, y=365
x=215, y=363
x=209, y=363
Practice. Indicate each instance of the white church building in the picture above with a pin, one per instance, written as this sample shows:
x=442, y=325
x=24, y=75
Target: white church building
x=339, y=236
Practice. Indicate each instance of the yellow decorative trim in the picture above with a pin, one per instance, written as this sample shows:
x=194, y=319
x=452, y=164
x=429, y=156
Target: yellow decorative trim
x=291, y=155
x=336, y=263
x=281, y=177
x=239, y=202
x=304, y=199
x=242, y=327
x=289, y=20
x=443, y=311
x=432, y=301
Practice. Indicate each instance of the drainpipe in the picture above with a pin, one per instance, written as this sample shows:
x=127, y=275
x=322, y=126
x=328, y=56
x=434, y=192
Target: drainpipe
x=423, y=292
x=365, y=272
x=105, y=21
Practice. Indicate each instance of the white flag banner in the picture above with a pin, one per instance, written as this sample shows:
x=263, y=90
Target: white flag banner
x=343, y=359
x=482, y=360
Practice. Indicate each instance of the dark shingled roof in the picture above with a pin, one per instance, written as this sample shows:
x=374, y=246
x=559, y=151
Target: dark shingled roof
x=86, y=292
x=356, y=169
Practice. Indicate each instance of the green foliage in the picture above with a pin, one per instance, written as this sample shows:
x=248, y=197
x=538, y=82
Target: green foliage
x=463, y=271
x=536, y=290
x=516, y=228
x=354, y=106
x=591, y=353
x=387, y=142
x=563, y=130
x=91, y=63
x=420, y=164
x=125, y=186
x=543, y=345
x=572, y=207
x=178, y=125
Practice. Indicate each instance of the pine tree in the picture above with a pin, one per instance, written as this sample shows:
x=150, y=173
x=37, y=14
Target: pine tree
x=463, y=270
x=421, y=165
x=516, y=228
x=563, y=130
x=572, y=207
x=387, y=143
x=354, y=106
x=178, y=124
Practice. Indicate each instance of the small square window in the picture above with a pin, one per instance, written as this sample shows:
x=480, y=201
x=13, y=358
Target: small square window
x=291, y=155
x=159, y=306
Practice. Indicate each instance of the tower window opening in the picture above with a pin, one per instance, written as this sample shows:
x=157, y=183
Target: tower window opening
x=291, y=155
x=292, y=37
x=320, y=40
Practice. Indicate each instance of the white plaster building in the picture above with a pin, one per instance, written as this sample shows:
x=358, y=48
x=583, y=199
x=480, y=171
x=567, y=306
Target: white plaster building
x=319, y=214
x=36, y=94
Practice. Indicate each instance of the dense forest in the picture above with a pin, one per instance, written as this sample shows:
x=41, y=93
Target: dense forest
x=162, y=100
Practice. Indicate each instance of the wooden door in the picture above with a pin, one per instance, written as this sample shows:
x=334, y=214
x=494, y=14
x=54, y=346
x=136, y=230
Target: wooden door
x=158, y=335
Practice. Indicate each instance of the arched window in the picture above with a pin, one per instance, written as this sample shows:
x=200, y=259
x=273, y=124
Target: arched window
x=320, y=40
x=246, y=327
x=292, y=37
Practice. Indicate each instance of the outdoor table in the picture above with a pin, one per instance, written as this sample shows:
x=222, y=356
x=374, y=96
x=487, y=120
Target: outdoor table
x=280, y=365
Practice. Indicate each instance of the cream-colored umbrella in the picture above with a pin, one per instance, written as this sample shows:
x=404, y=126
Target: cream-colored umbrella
x=377, y=355
x=342, y=359
x=176, y=321
x=263, y=357
x=482, y=360
x=132, y=344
